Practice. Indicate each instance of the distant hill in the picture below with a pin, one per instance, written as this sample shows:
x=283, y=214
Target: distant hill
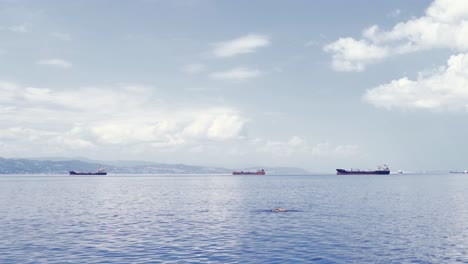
x=29, y=166
x=62, y=166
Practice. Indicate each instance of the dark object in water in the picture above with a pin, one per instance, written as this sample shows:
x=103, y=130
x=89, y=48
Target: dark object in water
x=278, y=210
x=382, y=170
x=100, y=171
x=259, y=172
x=464, y=172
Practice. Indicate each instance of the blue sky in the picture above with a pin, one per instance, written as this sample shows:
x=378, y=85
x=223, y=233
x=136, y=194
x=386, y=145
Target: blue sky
x=312, y=84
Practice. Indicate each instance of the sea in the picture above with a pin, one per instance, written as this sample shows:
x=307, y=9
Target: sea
x=396, y=218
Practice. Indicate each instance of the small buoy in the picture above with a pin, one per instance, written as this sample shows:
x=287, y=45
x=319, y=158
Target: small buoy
x=279, y=209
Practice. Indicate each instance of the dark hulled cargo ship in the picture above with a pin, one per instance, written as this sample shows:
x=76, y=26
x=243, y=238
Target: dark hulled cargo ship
x=464, y=172
x=381, y=170
x=260, y=172
x=100, y=171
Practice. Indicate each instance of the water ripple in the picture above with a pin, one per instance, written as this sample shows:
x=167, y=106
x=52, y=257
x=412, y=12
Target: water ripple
x=213, y=219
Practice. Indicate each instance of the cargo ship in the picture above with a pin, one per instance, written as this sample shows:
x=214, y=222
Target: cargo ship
x=259, y=172
x=100, y=171
x=381, y=170
x=464, y=172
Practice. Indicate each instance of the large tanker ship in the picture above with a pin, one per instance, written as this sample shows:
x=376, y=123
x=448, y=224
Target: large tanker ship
x=381, y=170
x=259, y=172
x=100, y=171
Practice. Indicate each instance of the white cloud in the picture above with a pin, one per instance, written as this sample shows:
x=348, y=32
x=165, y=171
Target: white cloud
x=56, y=62
x=245, y=44
x=444, y=25
x=352, y=55
x=137, y=122
x=48, y=120
x=444, y=89
x=30, y=137
x=216, y=126
x=448, y=10
x=238, y=74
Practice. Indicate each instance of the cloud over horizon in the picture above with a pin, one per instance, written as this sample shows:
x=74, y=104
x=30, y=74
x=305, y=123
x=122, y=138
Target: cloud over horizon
x=100, y=116
x=182, y=85
x=103, y=119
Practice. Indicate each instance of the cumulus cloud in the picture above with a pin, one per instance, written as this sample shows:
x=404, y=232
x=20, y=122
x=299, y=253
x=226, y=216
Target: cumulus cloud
x=238, y=74
x=444, y=25
x=56, y=63
x=245, y=44
x=135, y=121
x=353, y=55
x=102, y=117
x=217, y=126
x=22, y=141
x=444, y=89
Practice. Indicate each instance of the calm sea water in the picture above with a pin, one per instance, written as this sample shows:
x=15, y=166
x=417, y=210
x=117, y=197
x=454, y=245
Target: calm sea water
x=228, y=219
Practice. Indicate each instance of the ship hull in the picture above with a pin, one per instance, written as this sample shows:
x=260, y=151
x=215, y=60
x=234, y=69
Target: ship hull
x=358, y=172
x=248, y=173
x=87, y=173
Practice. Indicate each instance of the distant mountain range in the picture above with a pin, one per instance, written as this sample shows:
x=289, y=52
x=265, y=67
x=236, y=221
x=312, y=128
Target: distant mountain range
x=62, y=166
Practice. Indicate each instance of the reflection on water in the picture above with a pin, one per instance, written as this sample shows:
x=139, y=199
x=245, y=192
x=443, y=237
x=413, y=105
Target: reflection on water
x=229, y=219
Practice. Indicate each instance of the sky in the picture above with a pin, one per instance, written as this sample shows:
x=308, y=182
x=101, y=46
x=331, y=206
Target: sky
x=312, y=84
